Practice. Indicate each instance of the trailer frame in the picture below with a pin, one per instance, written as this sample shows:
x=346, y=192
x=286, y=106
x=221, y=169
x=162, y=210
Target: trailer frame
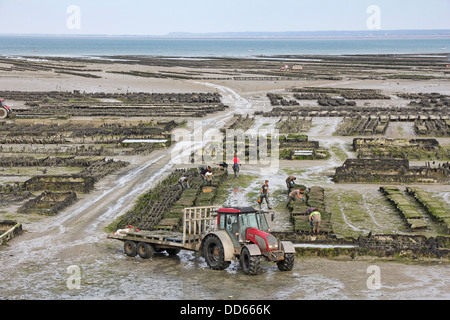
x=197, y=223
x=214, y=233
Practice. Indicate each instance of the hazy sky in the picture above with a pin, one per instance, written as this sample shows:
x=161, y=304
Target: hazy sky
x=149, y=17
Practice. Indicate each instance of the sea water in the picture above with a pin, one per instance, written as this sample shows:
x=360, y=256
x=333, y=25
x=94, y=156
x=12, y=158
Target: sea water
x=117, y=46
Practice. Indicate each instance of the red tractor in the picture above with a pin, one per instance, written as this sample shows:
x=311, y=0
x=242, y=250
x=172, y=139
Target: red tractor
x=220, y=235
x=5, y=111
x=242, y=234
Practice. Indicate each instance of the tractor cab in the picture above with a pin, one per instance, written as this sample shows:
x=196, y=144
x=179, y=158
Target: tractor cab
x=238, y=222
x=242, y=233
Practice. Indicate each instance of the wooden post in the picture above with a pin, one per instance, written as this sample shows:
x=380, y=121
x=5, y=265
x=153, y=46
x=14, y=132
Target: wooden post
x=9, y=234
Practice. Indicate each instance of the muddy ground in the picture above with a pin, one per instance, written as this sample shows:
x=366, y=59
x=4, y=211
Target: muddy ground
x=37, y=265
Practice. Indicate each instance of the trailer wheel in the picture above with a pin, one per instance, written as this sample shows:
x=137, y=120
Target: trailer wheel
x=145, y=250
x=214, y=254
x=287, y=264
x=173, y=252
x=130, y=248
x=251, y=265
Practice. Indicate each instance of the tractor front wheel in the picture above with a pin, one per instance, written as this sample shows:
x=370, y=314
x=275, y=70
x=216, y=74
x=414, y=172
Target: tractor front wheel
x=287, y=264
x=214, y=254
x=251, y=265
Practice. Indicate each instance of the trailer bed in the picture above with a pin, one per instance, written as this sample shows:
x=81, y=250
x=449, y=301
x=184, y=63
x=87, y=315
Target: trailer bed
x=197, y=222
x=174, y=237
x=160, y=239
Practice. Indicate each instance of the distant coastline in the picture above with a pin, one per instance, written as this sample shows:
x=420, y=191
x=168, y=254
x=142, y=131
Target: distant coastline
x=308, y=35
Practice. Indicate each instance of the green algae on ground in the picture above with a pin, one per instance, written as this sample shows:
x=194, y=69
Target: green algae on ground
x=354, y=213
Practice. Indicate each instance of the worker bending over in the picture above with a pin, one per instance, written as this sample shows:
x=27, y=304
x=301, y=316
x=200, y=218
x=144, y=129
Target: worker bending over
x=184, y=183
x=315, y=219
x=296, y=194
x=290, y=183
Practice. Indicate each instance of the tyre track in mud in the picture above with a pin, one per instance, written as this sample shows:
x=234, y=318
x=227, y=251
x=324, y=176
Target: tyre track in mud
x=76, y=230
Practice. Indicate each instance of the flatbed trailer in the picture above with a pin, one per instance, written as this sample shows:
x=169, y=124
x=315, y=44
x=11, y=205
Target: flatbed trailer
x=220, y=235
x=197, y=223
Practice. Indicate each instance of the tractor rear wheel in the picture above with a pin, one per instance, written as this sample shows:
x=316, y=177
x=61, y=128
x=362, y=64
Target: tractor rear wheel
x=215, y=254
x=251, y=265
x=3, y=113
x=287, y=264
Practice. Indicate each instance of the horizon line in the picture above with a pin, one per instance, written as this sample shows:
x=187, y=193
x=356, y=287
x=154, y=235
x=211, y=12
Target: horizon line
x=261, y=34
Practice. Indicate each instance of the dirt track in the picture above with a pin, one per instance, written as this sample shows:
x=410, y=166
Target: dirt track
x=34, y=266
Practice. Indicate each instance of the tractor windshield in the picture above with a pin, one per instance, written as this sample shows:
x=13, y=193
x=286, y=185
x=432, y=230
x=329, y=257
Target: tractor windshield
x=252, y=220
x=262, y=222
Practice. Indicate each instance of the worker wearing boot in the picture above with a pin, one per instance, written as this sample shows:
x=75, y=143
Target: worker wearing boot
x=290, y=183
x=265, y=193
x=209, y=177
x=236, y=165
x=314, y=219
x=296, y=194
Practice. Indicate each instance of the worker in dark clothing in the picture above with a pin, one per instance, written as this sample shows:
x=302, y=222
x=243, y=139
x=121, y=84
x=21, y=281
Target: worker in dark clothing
x=265, y=193
x=290, y=183
x=296, y=194
x=223, y=165
x=203, y=170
